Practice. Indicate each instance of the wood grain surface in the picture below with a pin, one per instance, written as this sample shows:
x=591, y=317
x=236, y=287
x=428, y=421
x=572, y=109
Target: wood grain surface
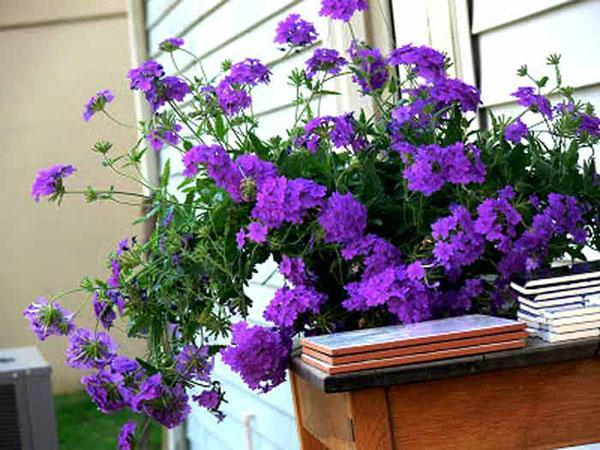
x=541, y=407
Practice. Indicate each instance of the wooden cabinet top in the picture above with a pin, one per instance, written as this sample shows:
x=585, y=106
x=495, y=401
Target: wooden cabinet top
x=534, y=353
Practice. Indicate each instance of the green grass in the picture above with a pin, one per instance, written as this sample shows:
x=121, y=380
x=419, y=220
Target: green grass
x=81, y=426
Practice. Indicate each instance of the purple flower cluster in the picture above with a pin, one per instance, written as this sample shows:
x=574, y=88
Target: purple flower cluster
x=400, y=288
x=376, y=253
x=280, y=200
x=162, y=135
x=194, y=363
x=424, y=61
x=339, y=129
x=516, y=131
x=260, y=355
x=458, y=301
x=589, y=124
x=295, y=31
x=342, y=9
x=219, y=167
x=88, y=349
x=448, y=91
x=50, y=181
x=294, y=271
x=289, y=304
x=233, y=91
x=149, y=78
x=528, y=98
x=325, y=60
x=561, y=216
x=127, y=436
x=171, y=44
x=371, y=69
x=343, y=219
x=497, y=219
x=430, y=167
x=97, y=103
x=209, y=399
x=168, y=405
x=457, y=243
x=48, y=319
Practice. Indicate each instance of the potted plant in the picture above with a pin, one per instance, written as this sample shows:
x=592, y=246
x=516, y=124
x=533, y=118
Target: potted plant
x=402, y=215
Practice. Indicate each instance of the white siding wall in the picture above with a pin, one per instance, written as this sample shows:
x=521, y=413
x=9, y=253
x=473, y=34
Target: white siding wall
x=235, y=29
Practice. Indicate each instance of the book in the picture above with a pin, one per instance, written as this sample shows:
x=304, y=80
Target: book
x=565, y=301
x=565, y=293
x=561, y=274
x=556, y=287
x=567, y=328
x=414, y=349
x=539, y=319
x=394, y=336
x=411, y=359
x=556, y=337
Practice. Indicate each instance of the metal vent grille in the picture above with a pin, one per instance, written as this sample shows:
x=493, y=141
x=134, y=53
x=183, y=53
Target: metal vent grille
x=10, y=436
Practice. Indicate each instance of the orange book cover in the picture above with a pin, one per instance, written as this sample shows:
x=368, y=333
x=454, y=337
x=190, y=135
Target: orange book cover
x=411, y=359
x=371, y=339
x=414, y=349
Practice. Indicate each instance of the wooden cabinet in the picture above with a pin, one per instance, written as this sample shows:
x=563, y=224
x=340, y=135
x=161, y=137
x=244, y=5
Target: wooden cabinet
x=540, y=397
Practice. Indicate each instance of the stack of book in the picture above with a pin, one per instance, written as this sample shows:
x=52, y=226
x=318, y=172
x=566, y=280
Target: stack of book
x=561, y=303
x=396, y=345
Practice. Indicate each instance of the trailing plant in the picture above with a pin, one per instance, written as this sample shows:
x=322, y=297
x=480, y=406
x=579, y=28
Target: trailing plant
x=402, y=214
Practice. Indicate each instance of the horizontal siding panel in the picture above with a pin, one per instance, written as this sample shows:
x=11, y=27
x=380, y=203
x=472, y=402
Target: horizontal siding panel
x=235, y=19
x=157, y=10
x=571, y=31
x=489, y=14
x=185, y=15
x=271, y=425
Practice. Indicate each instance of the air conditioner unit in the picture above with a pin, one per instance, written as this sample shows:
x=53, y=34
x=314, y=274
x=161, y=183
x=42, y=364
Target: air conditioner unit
x=27, y=419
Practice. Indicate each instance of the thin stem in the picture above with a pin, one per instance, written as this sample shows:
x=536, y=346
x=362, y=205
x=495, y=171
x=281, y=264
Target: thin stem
x=117, y=121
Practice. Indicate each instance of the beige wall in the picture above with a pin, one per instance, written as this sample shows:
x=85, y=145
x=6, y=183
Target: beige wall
x=54, y=56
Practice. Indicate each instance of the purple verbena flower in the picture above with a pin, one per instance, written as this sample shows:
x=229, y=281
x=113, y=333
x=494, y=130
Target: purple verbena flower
x=402, y=292
x=457, y=243
x=528, y=98
x=432, y=166
x=194, y=363
x=376, y=254
x=425, y=61
x=295, y=31
x=97, y=103
x=231, y=99
x=127, y=436
x=89, y=350
x=281, y=200
x=324, y=60
x=50, y=181
x=371, y=69
x=294, y=271
x=161, y=135
x=103, y=389
x=171, y=44
x=342, y=9
x=168, y=405
x=589, y=124
x=142, y=78
x=343, y=218
x=260, y=355
x=209, y=399
x=48, y=319
x=516, y=131
x=219, y=167
x=450, y=90
x=288, y=304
